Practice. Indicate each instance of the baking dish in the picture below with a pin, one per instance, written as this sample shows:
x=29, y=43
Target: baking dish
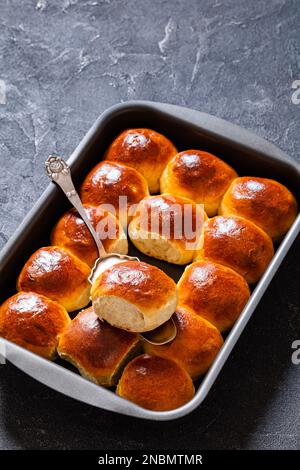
x=247, y=153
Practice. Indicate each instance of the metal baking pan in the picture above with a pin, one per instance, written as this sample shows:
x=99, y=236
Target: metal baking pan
x=247, y=153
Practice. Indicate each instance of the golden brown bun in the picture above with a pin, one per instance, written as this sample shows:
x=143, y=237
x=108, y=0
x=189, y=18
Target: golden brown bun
x=172, y=213
x=109, y=180
x=237, y=243
x=214, y=292
x=54, y=272
x=268, y=204
x=198, y=175
x=145, y=150
x=155, y=383
x=33, y=322
x=134, y=296
x=196, y=345
x=71, y=233
x=97, y=349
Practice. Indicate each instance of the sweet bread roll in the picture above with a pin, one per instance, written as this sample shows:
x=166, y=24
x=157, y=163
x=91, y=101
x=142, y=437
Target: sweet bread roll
x=155, y=383
x=196, y=344
x=167, y=227
x=268, y=204
x=145, y=150
x=71, y=233
x=134, y=296
x=198, y=175
x=107, y=181
x=33, y=322
x=54, y=272
x=97, y=349
x=214, y=292
x=237, y=243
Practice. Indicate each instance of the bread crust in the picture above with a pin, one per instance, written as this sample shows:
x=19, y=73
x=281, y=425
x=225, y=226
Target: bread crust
x=196, y=344
x=198, y=175
x=214, y=292
x=71, y=233
x=167, y=227
x=140, y=283
x=237, y=243
x=155, y=383
x=265, y=202
x=145, y=150
x=107, y=181
x=56, y=273
x=96, y=348
x=134, y=296
x=34, y=322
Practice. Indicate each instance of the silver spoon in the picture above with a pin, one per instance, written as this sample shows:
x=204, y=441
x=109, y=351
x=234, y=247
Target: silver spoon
x=58, y=170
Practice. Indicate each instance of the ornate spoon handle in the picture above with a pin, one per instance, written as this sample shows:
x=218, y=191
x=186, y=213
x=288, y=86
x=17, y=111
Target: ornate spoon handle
x=58, y=170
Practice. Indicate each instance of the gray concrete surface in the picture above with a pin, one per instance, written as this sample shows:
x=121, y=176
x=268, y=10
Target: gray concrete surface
x=61, y=64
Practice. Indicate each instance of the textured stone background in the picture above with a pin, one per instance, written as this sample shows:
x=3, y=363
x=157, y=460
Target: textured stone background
x=62, y=63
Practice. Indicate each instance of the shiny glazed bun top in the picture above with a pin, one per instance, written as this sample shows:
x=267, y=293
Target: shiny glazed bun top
x=215, y=292
x=54, y=272
x=198, y=175
x=71, y=233
x=167, y=227
x=166, y=211
x=196, y=344
x=155, y=383
x=109, y=180
x=96, y=348
x=237, y=243
x=145, y=150
x=33, y=322
x=267, y=203
x=134, y=296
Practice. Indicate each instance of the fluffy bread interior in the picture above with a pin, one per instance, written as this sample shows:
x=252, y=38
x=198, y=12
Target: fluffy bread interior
x=123, y=314
x=159, y=246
